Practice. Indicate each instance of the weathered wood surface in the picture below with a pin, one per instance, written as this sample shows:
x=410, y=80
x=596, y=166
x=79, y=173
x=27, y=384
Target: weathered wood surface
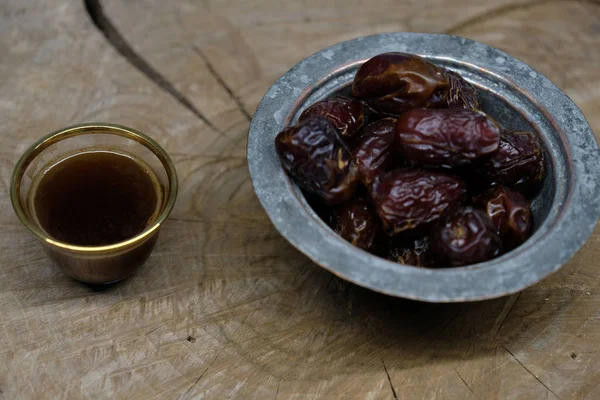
x=225, y=307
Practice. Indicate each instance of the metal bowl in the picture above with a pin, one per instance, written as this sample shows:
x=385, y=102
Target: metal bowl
x=566, y=208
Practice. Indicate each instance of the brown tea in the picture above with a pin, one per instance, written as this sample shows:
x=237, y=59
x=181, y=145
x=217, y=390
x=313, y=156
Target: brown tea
x=95, y=198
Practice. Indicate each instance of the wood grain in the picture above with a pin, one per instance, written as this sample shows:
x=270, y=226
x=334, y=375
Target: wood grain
x=225, y=308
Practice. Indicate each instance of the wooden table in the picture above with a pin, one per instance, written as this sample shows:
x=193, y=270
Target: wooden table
x=225, y=307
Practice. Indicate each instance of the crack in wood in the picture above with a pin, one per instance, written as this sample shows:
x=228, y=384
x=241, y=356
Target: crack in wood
x=389, y=379
x=118, y=42
x=531, y=373
x=222, y=82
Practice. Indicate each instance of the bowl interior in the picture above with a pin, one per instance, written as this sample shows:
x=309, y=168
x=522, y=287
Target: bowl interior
x=493, y=104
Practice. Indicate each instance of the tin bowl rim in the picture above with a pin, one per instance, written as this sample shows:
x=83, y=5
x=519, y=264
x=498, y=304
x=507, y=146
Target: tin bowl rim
x=574, y=214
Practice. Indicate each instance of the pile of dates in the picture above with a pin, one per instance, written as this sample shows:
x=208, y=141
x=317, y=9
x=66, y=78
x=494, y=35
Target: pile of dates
x=411, y=170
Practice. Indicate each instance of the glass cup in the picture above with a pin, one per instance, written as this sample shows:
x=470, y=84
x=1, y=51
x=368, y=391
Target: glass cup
x=94, y=264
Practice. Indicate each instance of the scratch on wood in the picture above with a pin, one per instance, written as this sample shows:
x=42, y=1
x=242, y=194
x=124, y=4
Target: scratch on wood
x=277, y=392
x=202, y=374
x=504, y=9
x=196, y=382
x=114, y=37
x=447, y=324
x=531, y=373
x=389, y=379
x=152, y=331
x=236, y=190
x=465, y=382
x=503, y=316
x=222, y=82
x=443, y=328
x=496, y=12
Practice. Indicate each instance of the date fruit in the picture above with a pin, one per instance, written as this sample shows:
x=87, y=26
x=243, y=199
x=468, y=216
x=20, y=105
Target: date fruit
x=408, y=198
x=519, y=160
x=392, y=83
x=345, y=114
x=466, y=236
x=510, y=213
x=446, y=137
x=357, y=222
x=409, y=252
x=317, y=159
x=374, y=154
x=461, y=93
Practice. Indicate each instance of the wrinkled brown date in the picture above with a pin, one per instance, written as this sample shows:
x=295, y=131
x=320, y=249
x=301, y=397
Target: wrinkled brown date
x=446, y=137
x=519, y=160
x=410, y=252
x=509, y=211
x=374, y=154
x=461, y=94
x=357, y=222
x=392, y=83
x=345, y=114
x=467, y=236
x=317, y=159
x=407, y=198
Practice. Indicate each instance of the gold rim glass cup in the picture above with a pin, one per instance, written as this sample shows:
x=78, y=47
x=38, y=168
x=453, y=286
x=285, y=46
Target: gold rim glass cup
x=100, y=264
